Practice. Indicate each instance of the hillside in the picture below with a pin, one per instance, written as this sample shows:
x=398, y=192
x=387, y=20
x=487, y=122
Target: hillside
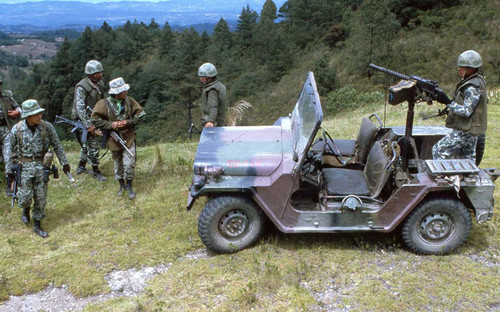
x=97, y=239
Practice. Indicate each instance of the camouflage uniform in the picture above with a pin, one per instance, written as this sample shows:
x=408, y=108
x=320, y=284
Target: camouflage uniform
x=467, y=117
x=112, y=110
x=87, y=94
x=7, y=103
x=28, y=149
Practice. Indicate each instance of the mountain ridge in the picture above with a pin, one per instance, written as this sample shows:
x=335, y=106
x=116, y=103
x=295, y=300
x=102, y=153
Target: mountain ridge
x=46, y=15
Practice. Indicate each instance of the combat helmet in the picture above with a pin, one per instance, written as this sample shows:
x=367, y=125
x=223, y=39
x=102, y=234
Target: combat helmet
x=207, y=70
x=470, y=58
x=93, y=67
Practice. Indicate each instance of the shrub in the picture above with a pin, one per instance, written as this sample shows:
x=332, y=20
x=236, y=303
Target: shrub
x=348, y=97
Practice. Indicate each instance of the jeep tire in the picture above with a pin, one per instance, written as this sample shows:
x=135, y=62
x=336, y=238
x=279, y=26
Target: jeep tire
x=229, y=223
x=437, y=226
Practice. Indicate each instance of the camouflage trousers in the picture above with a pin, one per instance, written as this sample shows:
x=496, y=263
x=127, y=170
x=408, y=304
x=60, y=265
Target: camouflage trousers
x=124, y=164
x=456, y=145
x=89, y=153
x=33, y=188
x=5, y=141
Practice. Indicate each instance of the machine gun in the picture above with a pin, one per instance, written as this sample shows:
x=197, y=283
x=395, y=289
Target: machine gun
x=16, y=171
x=426, y=89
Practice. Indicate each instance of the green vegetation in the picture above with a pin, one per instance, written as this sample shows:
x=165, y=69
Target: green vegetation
x=93, y=232
x=269, y=54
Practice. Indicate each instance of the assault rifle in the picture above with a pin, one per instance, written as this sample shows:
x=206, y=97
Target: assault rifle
x=441, y=112
x=77, y=125
x=426, y=89
x=193, y=129
x=16, y=171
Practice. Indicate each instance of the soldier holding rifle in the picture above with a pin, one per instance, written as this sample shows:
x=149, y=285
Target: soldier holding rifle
x=118, y=115
x=88, y=92
x=30, y=142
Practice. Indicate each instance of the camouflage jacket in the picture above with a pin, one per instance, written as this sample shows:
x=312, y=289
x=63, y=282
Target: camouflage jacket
x=8, y=103
x=468, y=111
x=87, y=94
x=214, y=104
x=107, y=111
x=28, y=144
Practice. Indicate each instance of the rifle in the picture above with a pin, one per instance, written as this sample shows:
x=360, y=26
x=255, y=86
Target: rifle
x=16, y=171
x=118, y=139
x=77, y=125
x=426, y=88
x=440, y=113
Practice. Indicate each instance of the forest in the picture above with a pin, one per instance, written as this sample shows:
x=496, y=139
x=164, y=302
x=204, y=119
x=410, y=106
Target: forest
x=265, y=59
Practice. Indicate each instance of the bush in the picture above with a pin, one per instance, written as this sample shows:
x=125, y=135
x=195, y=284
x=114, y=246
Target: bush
x=349, y=98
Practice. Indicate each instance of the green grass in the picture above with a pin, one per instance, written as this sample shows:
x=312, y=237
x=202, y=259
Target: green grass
x=93, y=232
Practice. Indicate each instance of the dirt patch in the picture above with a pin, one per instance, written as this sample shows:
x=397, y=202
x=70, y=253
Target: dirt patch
x=122, y=283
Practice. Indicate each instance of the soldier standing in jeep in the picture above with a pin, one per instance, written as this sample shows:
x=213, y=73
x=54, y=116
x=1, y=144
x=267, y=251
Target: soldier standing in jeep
x=214, y=99
x=9, y=116
x=467, y=112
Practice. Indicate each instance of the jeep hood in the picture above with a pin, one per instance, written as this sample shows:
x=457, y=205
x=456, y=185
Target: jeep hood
x=241, y=151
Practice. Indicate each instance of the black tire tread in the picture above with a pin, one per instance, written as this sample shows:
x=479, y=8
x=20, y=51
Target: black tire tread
x=207, y=214
x=462, y=214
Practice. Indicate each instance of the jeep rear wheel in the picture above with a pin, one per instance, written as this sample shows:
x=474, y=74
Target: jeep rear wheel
x=437, y=226
x=229, y=224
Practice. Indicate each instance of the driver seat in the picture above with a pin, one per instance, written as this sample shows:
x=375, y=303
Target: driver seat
x=368, y=182
x=356, y=151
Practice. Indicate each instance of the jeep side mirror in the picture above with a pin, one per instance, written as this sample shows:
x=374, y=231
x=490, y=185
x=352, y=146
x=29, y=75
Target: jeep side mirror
x=295, y=157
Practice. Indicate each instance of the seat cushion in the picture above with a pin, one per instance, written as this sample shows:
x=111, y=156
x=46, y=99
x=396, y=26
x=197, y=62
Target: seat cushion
x=340, y=181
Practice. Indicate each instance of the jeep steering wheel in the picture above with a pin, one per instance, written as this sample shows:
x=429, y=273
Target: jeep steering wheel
x=332, y=147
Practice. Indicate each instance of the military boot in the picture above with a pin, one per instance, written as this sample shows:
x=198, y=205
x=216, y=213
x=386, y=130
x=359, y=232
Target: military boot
x=122, y=187
x=131, y=194
x=37, y=228
x=98, y=175
x=25, y=216
x=81, y=167
x=8, y=192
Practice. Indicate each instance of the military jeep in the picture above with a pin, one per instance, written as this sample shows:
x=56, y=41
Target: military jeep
x=295, y=175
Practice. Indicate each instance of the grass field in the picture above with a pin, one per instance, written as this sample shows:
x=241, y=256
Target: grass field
x=93, y=232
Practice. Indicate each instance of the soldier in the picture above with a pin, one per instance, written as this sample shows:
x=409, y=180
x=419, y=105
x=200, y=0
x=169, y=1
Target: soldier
x=9, y=116
x=88, y=92
x=30, y=140
x=467, y=112
x=120, y=113
x=214, y=105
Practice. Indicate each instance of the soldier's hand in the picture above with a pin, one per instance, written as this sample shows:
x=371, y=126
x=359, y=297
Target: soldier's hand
x=441, y=97
x=122, y=124
x=66, y=168
x=13, y=113
x=209, y=124
x=91, y=129
x=98, y=132
x=114, y=125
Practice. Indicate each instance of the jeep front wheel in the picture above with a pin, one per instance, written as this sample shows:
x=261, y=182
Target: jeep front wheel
x=437, y=226
x=229, y=224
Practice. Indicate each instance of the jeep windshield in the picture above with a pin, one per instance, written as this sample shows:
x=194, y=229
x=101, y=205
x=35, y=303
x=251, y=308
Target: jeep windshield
x=306, y=119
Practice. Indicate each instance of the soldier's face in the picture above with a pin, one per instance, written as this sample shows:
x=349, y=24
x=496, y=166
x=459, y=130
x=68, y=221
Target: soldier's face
x=96, y=77
x=122, y=95
x=34, y=119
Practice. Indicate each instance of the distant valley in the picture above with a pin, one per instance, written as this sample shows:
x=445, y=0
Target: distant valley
x=30, y=17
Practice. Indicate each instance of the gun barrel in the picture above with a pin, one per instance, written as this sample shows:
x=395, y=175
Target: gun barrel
x=390, y=72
